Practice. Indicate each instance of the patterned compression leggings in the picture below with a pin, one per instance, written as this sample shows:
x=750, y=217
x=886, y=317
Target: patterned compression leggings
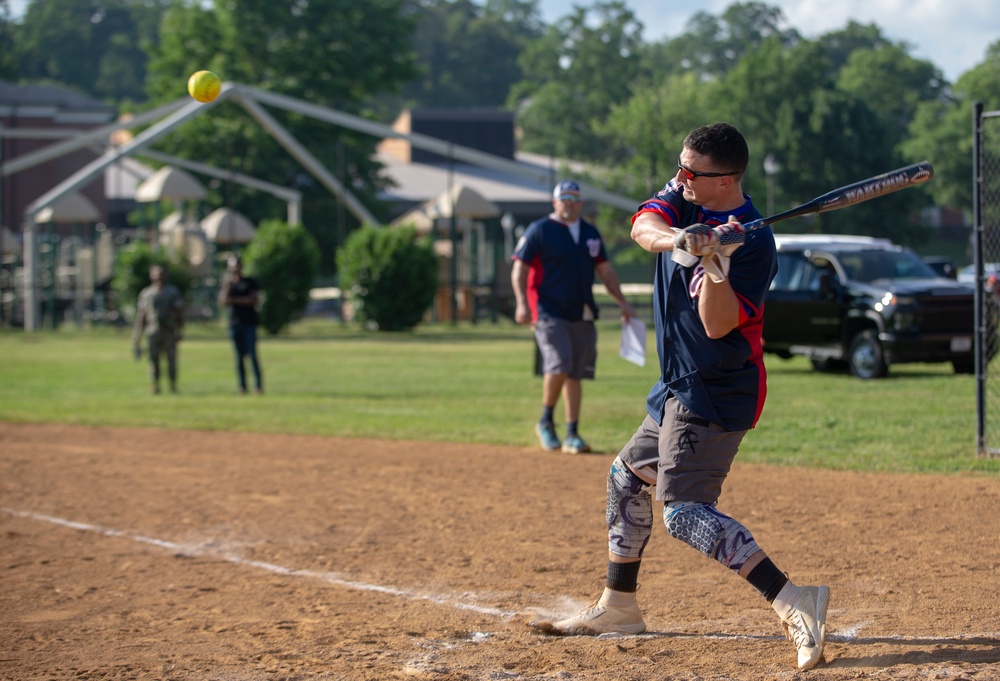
x=700, y=525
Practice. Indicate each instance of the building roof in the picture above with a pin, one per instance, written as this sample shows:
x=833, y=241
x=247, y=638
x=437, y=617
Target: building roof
x=419, y=182
x=45, y=100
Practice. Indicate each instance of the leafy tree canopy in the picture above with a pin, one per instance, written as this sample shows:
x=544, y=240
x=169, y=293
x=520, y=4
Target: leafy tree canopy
x=94, y=46
x=573, y=75
x=337, y=55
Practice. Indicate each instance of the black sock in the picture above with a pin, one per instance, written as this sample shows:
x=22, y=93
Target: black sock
x=623, y=576
x=571, y=428
x=546, y=414
x=767, y=579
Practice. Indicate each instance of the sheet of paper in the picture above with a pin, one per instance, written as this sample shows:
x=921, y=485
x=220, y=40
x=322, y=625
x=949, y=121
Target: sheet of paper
x=633, y=347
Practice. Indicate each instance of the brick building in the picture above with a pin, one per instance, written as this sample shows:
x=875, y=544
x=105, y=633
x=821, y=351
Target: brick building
x=33, y=117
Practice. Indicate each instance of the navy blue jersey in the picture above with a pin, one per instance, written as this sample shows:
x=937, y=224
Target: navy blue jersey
x=722, y=380
x=560, y=271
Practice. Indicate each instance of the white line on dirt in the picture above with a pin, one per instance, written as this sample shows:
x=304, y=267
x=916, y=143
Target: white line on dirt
x=201, y=551
x=847, y=634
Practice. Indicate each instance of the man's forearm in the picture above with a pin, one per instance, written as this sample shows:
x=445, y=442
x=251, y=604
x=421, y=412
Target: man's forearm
x=652, y=233
x=610, y=280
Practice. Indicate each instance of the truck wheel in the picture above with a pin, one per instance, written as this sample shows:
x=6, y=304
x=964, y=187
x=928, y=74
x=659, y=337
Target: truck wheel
x=964, y=366
x=829, y=365
x=865, y=357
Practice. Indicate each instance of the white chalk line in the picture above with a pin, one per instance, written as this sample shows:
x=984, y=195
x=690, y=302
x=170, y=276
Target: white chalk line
x=194, y=550
x=847, y=635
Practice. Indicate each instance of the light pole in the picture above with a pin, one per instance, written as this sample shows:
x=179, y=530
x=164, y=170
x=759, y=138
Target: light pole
x=771, y=168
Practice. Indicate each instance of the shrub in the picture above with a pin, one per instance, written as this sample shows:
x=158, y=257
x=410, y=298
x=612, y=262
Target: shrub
x=132, y=266
x=389, y=275
x=284, y=259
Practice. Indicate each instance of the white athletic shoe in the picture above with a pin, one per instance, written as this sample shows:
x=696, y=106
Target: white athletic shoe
x=602, y=618
x=805, y=624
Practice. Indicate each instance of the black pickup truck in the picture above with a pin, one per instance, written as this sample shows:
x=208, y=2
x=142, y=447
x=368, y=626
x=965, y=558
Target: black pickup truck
x=863, y=304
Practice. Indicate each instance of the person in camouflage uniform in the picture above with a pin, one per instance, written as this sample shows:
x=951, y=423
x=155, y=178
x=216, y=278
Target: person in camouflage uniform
x=160, y=315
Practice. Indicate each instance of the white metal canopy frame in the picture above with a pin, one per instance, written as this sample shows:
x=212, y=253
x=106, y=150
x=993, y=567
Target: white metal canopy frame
x=179, y=112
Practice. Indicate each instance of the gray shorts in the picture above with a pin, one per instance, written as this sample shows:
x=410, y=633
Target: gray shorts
x=689, y=457
x=567, y=347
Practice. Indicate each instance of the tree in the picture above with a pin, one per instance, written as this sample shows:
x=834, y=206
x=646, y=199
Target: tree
x=390, y=276
x=650, y=127
x=285, y=260
x=942, y=131
x=8, y=60
x=334, y=54
x=710, y=46
x=892, y=83
x=573, y=75
x=93, y=46
x=468, y=54
x=786, y=102
x=838, y=46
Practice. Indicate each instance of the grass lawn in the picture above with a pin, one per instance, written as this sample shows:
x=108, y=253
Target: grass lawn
x=473, y=384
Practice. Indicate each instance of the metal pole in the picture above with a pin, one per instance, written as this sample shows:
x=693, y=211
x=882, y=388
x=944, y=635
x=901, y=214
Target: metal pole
x=454, y=241
x=2, y=225
x=977, y=259
x=50, y=265
x=30, y=280
x=473, y=269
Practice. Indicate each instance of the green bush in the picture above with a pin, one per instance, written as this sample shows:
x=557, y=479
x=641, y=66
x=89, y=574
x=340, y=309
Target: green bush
x=389, y=275
x=284, y=259
x=132, y=266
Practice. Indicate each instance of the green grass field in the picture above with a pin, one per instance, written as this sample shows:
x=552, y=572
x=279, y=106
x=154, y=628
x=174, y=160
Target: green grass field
x=473, y=384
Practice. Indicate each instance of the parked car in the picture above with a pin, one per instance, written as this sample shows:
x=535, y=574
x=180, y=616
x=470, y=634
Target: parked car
x=864, y=304
x=991, y=270
x=943, y=265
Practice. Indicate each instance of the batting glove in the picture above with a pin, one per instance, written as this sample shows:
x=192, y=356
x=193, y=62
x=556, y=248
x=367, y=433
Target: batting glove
x=728, y=237
x=693, y=239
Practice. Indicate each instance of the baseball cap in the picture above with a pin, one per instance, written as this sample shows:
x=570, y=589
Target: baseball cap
x=567, y=187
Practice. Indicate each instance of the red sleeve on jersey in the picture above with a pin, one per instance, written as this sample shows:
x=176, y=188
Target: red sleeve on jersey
x=666, y=211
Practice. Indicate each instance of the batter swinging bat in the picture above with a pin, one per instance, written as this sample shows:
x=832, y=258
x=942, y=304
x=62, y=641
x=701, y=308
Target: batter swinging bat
x=850, y=194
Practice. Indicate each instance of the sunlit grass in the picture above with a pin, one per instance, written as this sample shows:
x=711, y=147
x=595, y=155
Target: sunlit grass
x=473, y=383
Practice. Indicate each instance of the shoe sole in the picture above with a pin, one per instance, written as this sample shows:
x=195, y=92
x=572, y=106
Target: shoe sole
x=822, y=604
x=583, y=630
x=574, y=450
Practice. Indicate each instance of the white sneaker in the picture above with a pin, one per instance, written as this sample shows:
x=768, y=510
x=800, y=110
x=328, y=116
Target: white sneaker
x=603, y=618
x=805, y=624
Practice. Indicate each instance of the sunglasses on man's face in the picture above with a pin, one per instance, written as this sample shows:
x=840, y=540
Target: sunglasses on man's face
x=692, y=174
x=570, y=198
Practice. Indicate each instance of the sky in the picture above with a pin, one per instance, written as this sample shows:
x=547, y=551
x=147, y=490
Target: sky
x=951, y=34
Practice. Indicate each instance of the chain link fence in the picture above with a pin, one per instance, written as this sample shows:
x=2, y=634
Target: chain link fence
x=986, y=258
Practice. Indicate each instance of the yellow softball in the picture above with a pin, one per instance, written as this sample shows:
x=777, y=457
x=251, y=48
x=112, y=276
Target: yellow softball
x=204, y=86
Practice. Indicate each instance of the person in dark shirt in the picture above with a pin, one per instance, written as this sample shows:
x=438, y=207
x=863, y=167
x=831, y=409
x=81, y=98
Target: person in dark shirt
x=710, y=284
x=242, y=295
x=553, y=278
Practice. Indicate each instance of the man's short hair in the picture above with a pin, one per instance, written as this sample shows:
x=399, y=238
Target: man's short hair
x=723, y=144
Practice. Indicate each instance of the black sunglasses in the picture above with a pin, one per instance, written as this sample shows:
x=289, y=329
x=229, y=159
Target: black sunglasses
x=691, y=174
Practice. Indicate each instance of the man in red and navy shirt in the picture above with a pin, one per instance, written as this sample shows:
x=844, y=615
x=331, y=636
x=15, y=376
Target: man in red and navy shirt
x=709, y=289
x=553, y=279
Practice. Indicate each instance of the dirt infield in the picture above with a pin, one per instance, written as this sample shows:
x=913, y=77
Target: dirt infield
x=147, y=554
